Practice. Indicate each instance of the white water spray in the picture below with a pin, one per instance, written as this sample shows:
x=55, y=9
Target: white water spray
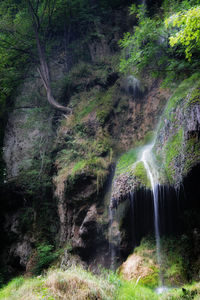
x=146, y=159
x=112, y=250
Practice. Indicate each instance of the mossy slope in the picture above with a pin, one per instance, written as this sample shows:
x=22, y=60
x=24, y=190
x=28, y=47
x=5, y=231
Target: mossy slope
x=177, y=145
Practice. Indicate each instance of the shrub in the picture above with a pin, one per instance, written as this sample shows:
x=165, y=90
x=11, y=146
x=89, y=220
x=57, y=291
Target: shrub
x=45, y=256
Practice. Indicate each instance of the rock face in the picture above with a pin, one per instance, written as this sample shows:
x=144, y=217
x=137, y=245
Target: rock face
x=28, y=142
x=22, y=143
x=177, y=145
x=61, y=165
x=29, y=133
x=134, y=268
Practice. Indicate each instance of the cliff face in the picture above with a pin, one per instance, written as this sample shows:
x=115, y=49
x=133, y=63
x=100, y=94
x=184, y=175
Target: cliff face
x=175, y=163
x=177, y=143
x=59, y=167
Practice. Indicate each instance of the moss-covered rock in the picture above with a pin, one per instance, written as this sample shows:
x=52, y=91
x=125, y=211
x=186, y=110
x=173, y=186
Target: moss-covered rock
x=140, y=174
x=143, y=262
x=177, y=146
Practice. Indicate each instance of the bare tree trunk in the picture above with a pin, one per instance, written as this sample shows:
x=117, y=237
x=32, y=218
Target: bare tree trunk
x=44, y=69
x=44, y=74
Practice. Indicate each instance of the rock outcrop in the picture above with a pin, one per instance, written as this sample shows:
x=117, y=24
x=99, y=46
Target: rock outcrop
x=177, y=146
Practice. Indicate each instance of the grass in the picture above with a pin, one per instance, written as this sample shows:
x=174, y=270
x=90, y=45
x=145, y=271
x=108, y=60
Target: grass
x=133, y=291
x=187, y=292
x=77, y=284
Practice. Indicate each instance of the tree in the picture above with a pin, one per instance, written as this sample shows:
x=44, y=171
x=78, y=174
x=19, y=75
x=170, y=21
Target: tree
x=188, y=35
x=146, y=45
x=25, y=29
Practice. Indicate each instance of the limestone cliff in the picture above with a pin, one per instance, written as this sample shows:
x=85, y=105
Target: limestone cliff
x=65, y=162
x=59, y=167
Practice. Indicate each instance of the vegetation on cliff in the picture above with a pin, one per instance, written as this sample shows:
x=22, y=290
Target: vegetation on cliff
x=147, y=49
x=59, y=166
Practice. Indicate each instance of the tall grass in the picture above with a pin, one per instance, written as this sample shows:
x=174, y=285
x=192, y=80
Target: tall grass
x=75, y=283
x=79, y=284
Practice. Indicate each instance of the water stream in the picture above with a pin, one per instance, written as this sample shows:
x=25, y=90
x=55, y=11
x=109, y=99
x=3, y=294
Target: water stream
x=146, y=210
x=147, y=161
x=112, y=250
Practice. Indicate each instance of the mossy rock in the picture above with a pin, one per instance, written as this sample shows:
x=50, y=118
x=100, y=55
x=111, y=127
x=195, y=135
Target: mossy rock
x=140, y=174
x=172, y=152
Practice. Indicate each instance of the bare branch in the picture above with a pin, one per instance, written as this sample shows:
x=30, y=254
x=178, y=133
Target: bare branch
x=34, y=14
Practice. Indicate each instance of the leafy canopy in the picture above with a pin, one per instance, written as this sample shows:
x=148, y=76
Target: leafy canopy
x=146, y=43
x=146, y=48
x=188, y=35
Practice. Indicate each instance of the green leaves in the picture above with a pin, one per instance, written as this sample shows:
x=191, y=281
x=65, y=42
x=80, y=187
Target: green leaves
x=188, y=33
x=143, y=46
x=147, y=50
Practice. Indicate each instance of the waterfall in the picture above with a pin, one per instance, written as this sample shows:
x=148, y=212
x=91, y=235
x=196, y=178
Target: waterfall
x=155, y=187
x=133, y=86
x=147, y=161
x=113, y=231
x=133, y=233
x=112, y=250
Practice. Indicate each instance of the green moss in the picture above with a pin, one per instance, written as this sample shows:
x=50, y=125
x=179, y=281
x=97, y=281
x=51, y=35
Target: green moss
x=96, y=167
x=87, y=109
x=175, y=260
x=105, y=105
x=175, y=256
x=101, y=146
x=151, y=280
x=141, y=175
x=195, y=96
x=126, y=161
x=181, y=92
x=147, y=243
x=192, y=154
x=85, y=102
x=78, y=167
x=172, y=151
x=122, y=105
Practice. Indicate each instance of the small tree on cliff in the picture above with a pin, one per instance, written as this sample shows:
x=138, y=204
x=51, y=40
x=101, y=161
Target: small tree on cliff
x=26, y=27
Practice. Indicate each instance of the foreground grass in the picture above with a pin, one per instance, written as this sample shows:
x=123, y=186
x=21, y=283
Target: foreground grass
x=187, y=292
x=78, y=284
x=75, y=283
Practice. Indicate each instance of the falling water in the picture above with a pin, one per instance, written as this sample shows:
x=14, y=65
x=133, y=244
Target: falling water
x=133, y=86
x=146, y=159
x=132, y=214
x=114, y=233
x=112, y=249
